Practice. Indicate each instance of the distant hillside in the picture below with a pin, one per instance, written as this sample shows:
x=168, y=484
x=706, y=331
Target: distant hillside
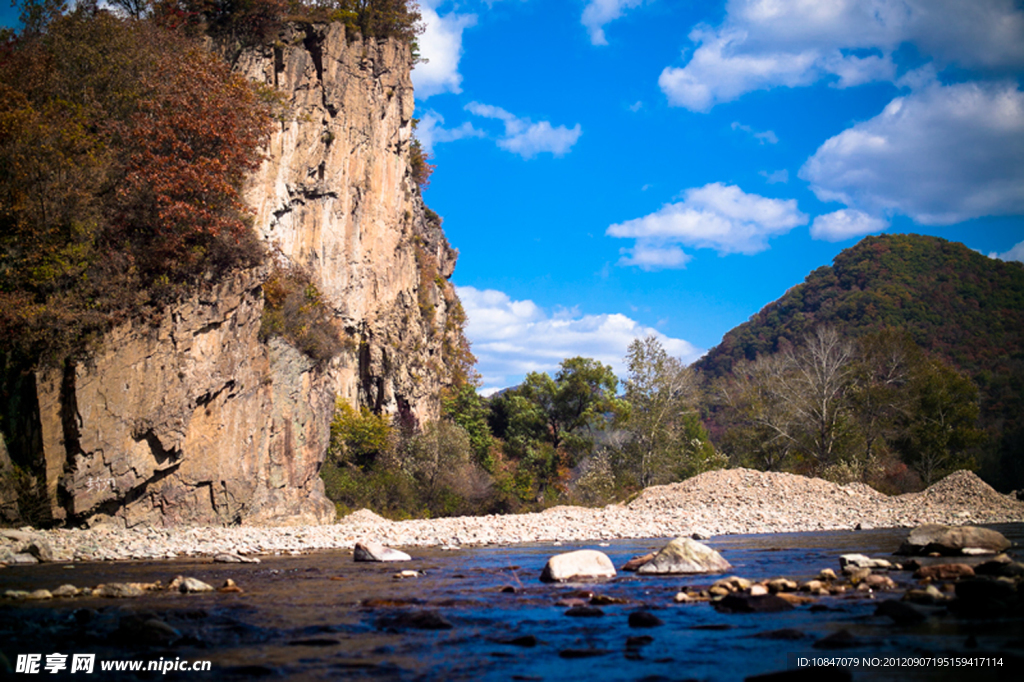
x=957, y=303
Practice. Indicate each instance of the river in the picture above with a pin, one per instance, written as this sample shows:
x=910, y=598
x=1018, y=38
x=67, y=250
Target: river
x=322, y=616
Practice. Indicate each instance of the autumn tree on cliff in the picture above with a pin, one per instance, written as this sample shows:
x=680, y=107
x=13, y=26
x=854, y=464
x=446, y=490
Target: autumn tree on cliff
x=123, y=148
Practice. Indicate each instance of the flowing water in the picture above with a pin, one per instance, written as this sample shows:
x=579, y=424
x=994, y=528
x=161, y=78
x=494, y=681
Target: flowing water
x=324, y=617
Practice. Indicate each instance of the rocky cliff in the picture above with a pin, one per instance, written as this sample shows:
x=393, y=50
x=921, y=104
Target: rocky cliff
x=336, y=197
x=194, y=417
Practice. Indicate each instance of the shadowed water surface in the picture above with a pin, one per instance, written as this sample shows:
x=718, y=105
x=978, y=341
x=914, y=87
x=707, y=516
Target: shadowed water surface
x=324, y=617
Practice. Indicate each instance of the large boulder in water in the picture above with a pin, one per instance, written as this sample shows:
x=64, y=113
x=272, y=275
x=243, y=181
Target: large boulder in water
x=582, y=564
x=684, y=555
x=374, y=551
x=953, y=540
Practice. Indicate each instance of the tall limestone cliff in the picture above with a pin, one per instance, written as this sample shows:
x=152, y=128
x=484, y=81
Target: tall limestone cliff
x=197, y=418
x=337, y=198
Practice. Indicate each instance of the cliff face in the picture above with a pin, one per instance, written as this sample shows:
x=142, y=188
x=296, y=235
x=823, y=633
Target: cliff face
x=193, y=418
x=336, y=197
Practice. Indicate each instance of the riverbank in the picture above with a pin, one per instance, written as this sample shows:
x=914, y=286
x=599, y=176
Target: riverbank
x=734, y=501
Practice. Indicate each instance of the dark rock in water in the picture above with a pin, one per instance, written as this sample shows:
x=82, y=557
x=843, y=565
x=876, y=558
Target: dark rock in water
x=415, y=620
x=604, y=600
x=995, y=568
x=901, y=612
x=374, y=551
x=737, y=602
x=814, y=674
x=788, y=634
x=685, y=556
x=638, y=641
x=644, y=619
x=508, y=589
x=582, y=653
x=527, y=641
x=985, y=589
x=637, y=561
x=952, y=540
x=712, y=627
x=944, y=572
x=584, y=612
x=842, y=639
x=984, y=598
x=314, y=641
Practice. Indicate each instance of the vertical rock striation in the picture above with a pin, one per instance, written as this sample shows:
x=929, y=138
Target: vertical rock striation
x=193, y=417
x=336, y=197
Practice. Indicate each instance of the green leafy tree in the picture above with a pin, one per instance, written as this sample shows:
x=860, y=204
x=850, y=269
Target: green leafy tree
x=666, y=440
x=441, y=459
x=880, y=399
x=940, y=430
x=358, y=437
x=464, y=406
x=581, y=396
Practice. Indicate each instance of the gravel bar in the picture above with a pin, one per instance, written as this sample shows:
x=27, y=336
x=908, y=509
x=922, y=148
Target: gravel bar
x=732, y=501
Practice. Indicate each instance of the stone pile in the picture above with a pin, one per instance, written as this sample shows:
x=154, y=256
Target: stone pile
x=714, y=503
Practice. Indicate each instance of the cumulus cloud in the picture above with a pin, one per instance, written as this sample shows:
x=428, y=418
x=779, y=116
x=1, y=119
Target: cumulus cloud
x=1015, y=253
x=768, y=136
x=763, y=44
x=431, y=131
x=845, y=224
x=441, y=46
x=526, y=138
x=598, y=13
x=511, y=338
x=715, y=216
x=939, y=155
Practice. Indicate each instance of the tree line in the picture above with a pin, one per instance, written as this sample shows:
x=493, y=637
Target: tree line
x=880, y=411
x=124, y=146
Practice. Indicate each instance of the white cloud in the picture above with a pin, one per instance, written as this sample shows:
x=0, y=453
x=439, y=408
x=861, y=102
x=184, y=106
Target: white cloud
x=441, y=46
x=1015, y=253
x=715, y=216
x=511, y=338
x=768, y=136
x=597, y=13
x=655, y=255
x=845, y=223
x=431, y=131
x=940, y=155
x=763, y=44
x=775, y=177
x=526, y=138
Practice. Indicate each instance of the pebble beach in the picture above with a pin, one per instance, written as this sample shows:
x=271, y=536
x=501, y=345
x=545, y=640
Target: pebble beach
x=733, y=501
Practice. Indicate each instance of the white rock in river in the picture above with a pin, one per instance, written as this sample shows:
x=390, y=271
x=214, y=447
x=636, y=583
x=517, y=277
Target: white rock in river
x=862, y=561
x=582, y=564
x=373, y=551
x=684, y=555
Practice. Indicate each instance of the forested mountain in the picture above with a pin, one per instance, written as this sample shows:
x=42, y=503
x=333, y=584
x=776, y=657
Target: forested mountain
x=956, y=304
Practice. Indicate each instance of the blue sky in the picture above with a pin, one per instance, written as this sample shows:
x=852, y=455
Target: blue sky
x=613, y=168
